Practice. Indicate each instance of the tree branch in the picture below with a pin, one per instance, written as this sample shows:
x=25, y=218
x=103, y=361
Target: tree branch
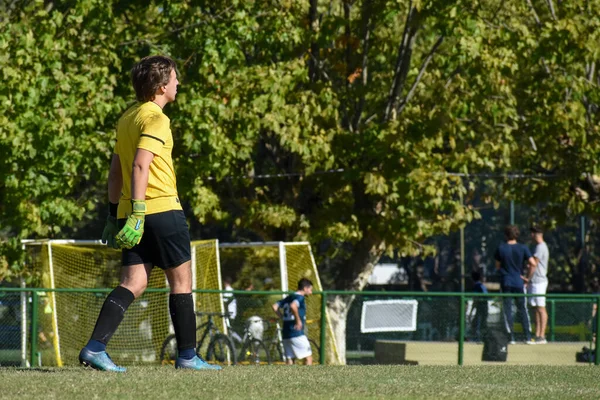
x=551, y=7
x=590, y=70
x=177, y=29
x=348, y=52
x=428, y=58
x=535, y=15
x=402, y=62
x=314, y=50
x=451, y=77
x=366, y=33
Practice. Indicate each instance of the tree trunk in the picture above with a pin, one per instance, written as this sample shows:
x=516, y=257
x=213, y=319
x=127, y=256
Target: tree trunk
x=354, y=278
x=337, y=309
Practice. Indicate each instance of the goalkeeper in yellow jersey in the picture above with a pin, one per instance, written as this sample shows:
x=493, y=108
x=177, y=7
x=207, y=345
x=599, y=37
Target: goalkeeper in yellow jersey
x=146, y=219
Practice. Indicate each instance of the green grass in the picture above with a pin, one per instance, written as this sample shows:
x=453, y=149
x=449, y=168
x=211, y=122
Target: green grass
x=322, y=382
x=446, y=353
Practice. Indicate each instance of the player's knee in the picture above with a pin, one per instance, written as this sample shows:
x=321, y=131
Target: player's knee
x=137, y=293
x=137, y=289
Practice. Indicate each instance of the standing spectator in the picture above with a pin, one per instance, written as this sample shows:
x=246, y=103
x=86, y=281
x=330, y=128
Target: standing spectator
x=480, y=308
x=230, y=303
x=510, y=259
x=292, y=310
x=478, y=265
x=228, y=299
x=538, y=284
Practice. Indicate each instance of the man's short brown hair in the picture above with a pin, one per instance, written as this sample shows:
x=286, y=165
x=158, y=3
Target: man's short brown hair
x=149, y=74
x=511, y=232
x=536, y=229
x=304, y=283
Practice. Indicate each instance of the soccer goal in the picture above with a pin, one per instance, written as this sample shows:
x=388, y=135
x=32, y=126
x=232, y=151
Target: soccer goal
x=67, y=317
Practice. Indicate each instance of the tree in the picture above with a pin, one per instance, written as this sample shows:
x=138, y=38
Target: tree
x=357, y=125
x=57, y=98
x=393, y=102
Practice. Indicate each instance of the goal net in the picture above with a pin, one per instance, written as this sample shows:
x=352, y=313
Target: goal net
x=67, y=317
x=275, y=266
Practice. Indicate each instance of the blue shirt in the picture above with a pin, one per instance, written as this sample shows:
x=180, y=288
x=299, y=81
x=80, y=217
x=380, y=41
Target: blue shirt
x=479, y=287
x=512, y=257
x=289, y=320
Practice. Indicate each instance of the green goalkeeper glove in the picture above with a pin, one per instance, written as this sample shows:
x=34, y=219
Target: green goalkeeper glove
x=132, y=232
x=111, y=228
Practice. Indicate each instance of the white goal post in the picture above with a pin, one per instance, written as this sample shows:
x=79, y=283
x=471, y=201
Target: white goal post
x=84, y=264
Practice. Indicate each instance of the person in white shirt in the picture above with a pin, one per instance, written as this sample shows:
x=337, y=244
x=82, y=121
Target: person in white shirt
x=538, y=284
x=228, y=298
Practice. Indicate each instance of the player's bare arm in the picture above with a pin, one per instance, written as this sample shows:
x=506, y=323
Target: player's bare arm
x=276, y=310
x=131, y=234
x=532, y=263
x=139, y=174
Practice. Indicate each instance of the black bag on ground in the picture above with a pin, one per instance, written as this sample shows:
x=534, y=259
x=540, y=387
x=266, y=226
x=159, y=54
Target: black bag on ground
x=586, y=355
x=495, y=345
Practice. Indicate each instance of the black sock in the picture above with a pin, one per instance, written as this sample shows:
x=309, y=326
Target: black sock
x=111, y=314
x=181, y=307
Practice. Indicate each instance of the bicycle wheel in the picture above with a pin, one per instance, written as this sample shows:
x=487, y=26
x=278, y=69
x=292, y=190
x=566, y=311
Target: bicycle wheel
x=168, y=351
x=275, y=353
x=255, y=352
x=316, y=351
x=220, y=350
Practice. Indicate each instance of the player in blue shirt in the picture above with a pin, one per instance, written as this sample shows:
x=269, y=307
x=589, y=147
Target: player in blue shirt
x=510, y=260
x=292, y=310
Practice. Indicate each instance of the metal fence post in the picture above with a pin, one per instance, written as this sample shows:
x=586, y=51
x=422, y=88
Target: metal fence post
x=323, y=328
x=552, y=318
x=597, y=349
x=461, y=330
x=34, y=327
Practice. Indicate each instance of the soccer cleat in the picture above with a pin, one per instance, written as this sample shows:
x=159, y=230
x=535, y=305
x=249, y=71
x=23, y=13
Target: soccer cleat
x=100, y=361
x=195, y=363
x=530, y=341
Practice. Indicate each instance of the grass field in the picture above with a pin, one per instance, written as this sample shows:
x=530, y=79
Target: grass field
x=318, y=382
x=446, y=353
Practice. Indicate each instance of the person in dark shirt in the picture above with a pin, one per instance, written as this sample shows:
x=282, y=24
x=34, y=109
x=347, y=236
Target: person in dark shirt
x=292, y=310
x=480, y=308
x=510, y=259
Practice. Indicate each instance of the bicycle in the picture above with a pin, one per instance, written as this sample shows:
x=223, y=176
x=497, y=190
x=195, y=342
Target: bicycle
x=252, y=349
x=276, y=350
x=220, y=348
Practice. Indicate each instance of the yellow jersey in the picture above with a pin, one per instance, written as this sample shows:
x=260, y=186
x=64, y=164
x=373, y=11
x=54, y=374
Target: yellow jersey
x=144, y=126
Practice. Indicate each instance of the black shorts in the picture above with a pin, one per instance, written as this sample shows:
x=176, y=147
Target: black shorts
x=165, y=242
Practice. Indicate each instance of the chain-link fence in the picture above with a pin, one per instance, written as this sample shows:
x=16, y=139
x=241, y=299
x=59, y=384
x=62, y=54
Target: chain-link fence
x=380, y=328
x=441, y=321
x=573, y=244
x=11, y=328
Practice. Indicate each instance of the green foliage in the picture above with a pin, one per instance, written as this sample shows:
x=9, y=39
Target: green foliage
x=369, y=109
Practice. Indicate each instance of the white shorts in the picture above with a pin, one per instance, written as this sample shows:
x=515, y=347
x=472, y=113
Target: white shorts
x=537, y=288
x=297, y=347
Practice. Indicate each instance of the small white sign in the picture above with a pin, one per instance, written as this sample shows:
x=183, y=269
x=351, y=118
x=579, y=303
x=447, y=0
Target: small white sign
x=389, y=316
